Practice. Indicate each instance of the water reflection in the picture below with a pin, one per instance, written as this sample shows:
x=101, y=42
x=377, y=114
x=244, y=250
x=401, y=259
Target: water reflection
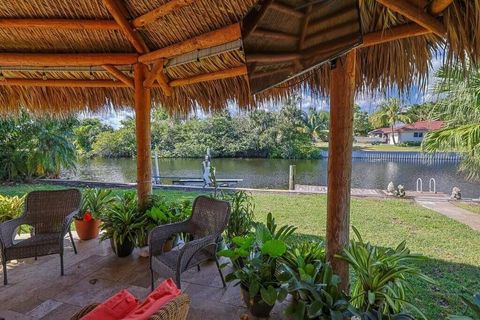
x=273, y=173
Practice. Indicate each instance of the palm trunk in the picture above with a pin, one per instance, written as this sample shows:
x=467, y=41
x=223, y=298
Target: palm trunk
x=393, y=137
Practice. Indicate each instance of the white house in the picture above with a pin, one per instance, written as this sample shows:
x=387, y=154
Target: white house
x=412, y=133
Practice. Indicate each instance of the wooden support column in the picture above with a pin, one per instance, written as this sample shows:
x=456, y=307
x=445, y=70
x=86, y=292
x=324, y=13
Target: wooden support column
x=143, y=135
x=342, y=92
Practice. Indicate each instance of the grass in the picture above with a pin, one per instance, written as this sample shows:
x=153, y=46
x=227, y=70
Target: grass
x=472, y=207
x=451, y=248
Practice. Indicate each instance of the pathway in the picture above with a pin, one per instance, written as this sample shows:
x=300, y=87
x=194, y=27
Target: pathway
x=440, y=204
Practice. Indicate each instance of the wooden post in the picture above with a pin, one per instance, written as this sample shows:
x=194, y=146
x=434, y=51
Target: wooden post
x=342, y=91
x=142, y=126
x=291, y=177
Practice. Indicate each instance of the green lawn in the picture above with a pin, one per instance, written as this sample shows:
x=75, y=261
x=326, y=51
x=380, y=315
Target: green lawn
x=472, y=207
x=451, y=248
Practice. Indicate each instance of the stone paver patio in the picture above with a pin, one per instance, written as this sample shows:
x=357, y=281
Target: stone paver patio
x=37, y=291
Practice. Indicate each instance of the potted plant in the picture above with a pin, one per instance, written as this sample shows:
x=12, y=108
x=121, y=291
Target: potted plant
x=312, y=284
x=124, y=224
x=95, y=203
x=241, y=219
x=258, y=275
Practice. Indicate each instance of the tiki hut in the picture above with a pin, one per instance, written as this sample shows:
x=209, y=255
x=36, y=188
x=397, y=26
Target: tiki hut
x=59, y=56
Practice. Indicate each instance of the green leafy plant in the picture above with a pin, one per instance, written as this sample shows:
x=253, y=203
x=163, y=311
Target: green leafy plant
x=316, y=291
x=381, y=277
x=123, y=221
x=473, y=305
x=256, y=257
x=242, y=213
x=10, y=207
x=96, y=202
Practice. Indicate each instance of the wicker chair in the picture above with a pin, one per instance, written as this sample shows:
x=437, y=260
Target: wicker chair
x=209, y=219
x=177, y=309
x=50, y=214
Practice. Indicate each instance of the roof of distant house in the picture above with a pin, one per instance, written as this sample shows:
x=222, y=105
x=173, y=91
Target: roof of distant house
x=417, y=126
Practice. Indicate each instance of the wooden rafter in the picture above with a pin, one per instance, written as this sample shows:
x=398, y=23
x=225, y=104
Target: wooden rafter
x=159, y=12
x=206, y=40
x=276, y=35
x=223, y=74
x=117, y=10
x=273, y=57
x=303, y=32
x=118, y=74
x=392, y=34
x=438, y=6
x=415, y=14
x=251, y=21
x=157, y=73
x=62, y=83
x=81, y=24
x=348, y=14
x=66, y=59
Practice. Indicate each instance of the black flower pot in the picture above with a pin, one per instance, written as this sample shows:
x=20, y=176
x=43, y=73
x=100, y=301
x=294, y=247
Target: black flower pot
x=123, y=250
x=256, y=306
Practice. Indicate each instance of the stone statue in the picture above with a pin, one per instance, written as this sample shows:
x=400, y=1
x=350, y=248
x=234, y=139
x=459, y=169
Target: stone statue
x=400, y=192
x=206, y=171
x=456, y=193
x=391, y=188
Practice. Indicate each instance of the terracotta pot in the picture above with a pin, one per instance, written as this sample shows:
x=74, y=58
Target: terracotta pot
x=87, y=230
x=123, y=250
x=256, y=306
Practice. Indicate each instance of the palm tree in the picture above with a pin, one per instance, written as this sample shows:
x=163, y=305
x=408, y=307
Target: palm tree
x=388, y=114
x=316, y=124
x=460, y=109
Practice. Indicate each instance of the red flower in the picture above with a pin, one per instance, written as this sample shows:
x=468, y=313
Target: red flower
x=87, y=216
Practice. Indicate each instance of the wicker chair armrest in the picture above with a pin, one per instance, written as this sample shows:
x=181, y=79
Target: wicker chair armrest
x=191, y=248
x=160, y=234
x=7, y=230
x=67, y=222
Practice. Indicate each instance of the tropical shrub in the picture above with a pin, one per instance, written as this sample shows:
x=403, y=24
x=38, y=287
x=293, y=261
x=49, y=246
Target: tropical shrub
x=162, y=212
x=96, y=201
x=242, y=213
x=10, y=207
x=256, y=260
x=381, y=281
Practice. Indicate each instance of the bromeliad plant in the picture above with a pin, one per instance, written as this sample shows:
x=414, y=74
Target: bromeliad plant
x=124, y=224
x=241, y=219
x=95, y=203
x=381, y=279
x=256, y=261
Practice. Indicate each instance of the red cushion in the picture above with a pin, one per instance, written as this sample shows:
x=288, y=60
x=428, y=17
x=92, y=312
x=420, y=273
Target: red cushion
x=155, y=300
x=114, y=308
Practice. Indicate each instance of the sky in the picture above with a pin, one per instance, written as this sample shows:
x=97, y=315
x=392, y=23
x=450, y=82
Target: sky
x=367, y=102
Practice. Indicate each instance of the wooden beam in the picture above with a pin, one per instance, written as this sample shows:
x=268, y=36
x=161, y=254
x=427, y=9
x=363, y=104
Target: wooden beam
x=275, y=35
x=223, y=74
x=119, y=75
x=206, y=40
x=117, y=11
x=280, y=7
x=303, y=32
x=438, y=6
x=347, y=14
x=250, y=23
x=143, y=136
x=81, y=24
x=271, y=58
x=415, y=14
x=342, y=93
x=396, y=33
x=161, y=11
x=66, y=59
x=157, y=73
x=62, y=83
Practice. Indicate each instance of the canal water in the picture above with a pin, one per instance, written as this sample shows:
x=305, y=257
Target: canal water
x=273, y=173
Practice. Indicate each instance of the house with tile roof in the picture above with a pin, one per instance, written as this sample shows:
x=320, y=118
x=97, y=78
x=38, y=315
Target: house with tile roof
x=407, y=133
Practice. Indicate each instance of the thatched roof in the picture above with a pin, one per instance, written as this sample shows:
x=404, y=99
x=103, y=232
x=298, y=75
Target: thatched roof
x=403, y=62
